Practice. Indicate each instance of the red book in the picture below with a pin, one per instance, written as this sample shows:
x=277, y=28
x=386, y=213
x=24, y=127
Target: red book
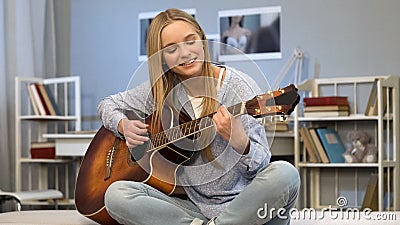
x=42, y=100
x=43, y=153
x=327, y=100
x=43, y=150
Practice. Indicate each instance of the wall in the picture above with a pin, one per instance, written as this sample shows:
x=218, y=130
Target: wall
x=62, y=22
x=338, y=38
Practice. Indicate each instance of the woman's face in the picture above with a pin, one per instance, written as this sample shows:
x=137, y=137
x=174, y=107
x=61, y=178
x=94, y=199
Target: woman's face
x=182, y=49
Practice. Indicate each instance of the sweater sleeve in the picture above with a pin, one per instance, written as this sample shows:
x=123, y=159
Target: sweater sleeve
x=259, y=153
x=112, y=108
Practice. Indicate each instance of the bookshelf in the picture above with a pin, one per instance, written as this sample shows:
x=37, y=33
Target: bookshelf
x=324, y=183
x=31, y=126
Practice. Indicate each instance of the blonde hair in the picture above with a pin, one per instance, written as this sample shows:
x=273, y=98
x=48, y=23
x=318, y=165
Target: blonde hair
x=163, y=81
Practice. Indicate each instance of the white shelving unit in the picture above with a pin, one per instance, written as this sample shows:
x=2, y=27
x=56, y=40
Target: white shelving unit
x=33, y=174
x=324, y=183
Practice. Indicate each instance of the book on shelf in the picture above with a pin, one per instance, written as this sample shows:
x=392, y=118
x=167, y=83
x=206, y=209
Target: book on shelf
x=326, y=113
x=332, y=144
x=318, y=146
x=280, y=126
x=43, y=150
x=33, y=101
x=52, y=100
x=325, y=100
x=36, y=100
x=309, y=145
x=46, y=99
x=371, y=194
x=372, y=104
x=323, y=108
x=42, y=99
x=372, y=108
x=326, y=106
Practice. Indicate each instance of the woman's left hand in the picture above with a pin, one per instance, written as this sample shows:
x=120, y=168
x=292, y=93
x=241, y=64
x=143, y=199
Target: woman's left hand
x=231, y=129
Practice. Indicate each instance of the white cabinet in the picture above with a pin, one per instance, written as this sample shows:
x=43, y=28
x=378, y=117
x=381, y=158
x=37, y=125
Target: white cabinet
x=40, y=173
x=324, y=183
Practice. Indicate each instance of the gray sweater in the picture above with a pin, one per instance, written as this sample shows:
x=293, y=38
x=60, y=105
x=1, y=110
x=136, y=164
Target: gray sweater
x=210, y=186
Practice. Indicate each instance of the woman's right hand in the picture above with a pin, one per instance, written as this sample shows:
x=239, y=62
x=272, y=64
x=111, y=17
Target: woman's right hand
x=134, y=131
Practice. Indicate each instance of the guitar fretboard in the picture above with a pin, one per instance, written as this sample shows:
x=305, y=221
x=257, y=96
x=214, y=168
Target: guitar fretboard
x=189, y=128
x=281, y=101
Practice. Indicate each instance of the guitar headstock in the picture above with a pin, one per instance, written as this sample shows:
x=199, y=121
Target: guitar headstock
x=279, y=102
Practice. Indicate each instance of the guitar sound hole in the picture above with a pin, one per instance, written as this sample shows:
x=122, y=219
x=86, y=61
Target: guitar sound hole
x=138, y=152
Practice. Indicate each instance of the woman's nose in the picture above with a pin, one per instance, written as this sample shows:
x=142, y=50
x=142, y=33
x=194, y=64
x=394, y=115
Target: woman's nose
x=184, y=51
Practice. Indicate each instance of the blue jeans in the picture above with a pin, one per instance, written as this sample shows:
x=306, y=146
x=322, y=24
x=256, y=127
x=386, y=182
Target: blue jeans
x=266, y=200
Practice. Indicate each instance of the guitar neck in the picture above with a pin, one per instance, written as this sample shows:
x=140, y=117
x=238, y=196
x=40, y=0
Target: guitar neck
x=281, y=102
x=192, y=127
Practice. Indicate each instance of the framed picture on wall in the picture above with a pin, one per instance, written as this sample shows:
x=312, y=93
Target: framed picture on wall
x=144, y=20
x=254, y=31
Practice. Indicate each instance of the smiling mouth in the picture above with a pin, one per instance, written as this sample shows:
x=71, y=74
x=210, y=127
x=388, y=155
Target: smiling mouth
x=188, y=63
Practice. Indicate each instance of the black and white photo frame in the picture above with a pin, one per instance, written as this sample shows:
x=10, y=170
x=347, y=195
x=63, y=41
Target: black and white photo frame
x=254, y=31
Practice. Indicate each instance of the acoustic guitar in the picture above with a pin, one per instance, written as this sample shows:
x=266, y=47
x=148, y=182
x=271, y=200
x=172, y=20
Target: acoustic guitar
x=155, y=163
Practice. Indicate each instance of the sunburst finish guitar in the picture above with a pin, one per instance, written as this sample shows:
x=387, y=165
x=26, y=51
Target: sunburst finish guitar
x=108, y=159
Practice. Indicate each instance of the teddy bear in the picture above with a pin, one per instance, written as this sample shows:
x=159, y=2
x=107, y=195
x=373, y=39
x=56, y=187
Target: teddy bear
x=358, y=148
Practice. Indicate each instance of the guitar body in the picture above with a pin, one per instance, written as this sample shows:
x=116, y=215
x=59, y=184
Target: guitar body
x=108, y=159
x=90, y=185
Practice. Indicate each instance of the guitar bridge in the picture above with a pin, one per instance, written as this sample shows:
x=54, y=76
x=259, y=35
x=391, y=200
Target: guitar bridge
x=110, y=159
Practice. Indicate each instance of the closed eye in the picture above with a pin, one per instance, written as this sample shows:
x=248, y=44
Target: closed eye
x=170, y=49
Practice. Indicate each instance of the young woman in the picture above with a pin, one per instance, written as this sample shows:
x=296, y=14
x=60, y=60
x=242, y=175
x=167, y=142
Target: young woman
x=229, y=179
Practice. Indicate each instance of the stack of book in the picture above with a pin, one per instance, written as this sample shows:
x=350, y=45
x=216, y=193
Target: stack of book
x=326, y=106
x=323, y=145
x=43, y=150
x=42, y=99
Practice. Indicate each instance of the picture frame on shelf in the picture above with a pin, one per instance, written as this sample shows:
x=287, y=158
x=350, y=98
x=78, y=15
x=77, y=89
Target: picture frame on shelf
x=261, y=33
